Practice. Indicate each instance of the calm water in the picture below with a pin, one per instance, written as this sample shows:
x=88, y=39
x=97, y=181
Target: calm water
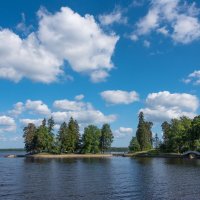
x=99, y=179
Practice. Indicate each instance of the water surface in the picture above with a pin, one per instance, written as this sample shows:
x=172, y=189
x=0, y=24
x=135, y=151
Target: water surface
x=99, y=178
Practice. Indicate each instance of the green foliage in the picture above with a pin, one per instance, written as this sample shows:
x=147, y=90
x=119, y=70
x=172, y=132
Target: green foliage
x=62, y=137
x=134, y=145
x=68, y=139
x=44, y=140
x=176, y=135
x=30, y=138
x=144, y=133
x=91, y=139
x=106, y=138
x=73, y=136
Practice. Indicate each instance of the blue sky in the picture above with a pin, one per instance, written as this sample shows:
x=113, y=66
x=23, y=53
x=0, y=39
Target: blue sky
x=98, y=61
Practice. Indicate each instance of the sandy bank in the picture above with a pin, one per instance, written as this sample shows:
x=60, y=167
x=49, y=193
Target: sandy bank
x=70, y=156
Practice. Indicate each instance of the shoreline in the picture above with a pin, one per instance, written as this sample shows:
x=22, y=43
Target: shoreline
x=69, y=156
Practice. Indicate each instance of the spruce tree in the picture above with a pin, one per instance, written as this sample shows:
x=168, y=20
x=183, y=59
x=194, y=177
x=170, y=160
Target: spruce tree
x=62, y=137
x=73, y=136
x=106, y=137
x=30, y=138
x=143, y=133
x=91, y=140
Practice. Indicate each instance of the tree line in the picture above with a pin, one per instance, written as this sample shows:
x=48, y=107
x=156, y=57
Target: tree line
x=179, y=135
x=68, y=138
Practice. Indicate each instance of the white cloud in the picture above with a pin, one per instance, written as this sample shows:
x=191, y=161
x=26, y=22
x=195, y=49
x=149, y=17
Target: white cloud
x=7, y=124
x=79, y=97
x=99, y=76
x=21, y=58
x=77, y=39
x=165, y=106
x=119, y=96
x=163, y=30
x=175, y=19
x=63, y=36
x=114, y=17
x=26, y=121
x=148, y=23
x=84, y=117
x=71, y=105
x=194, y=77
x=122, y=132
x=35, y=111
x=83, y=112
x=18, y=109
x=37, y=107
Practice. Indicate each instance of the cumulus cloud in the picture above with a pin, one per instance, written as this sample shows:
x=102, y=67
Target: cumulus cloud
x=77, y=39
x=17, y=110
x=37, y=107
x=119, y=96
x=176, y=19
x=26, y=121
x=27, y=58
x=165, y=106
x=34, y=112
x=84, y=117
x=7, y=124
x=194, y=78
x=63, y=36
x=71, y=105
x=116, y=16
x=83, y=112
x=122, y=132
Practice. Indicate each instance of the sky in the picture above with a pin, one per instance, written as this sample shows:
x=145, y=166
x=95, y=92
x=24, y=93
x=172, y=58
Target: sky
x=99, y=62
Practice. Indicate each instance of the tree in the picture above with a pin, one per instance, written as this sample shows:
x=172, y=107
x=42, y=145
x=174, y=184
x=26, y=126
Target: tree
x=62, y=137
x=73, y=136
x=43, y=139
x=50, y=127
x=156, y=141
x=166, y=131
x=30, y=138
x=195, y=134
x=106, y=137
x=176, y=135
x=143, y=133
x=90, y=139
x=134, y=146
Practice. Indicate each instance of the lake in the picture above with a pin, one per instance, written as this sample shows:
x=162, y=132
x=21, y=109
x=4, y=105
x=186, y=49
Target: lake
x=98, y=178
